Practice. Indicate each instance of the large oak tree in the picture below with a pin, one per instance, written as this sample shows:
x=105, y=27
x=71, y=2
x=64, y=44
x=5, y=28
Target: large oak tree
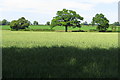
x=66, y=18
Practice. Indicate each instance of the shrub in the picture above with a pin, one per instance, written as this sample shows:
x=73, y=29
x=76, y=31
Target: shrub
x=92, y=30
x=79, y=31
x=21, y=23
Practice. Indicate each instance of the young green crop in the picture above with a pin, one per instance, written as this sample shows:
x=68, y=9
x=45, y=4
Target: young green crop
x=58, y=28
x=29, y=54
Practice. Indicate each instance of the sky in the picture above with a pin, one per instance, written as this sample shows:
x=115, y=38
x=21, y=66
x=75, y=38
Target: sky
x=44, y=10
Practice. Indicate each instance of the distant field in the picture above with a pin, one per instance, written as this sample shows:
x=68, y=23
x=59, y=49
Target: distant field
x=28, y=54
x=59, y=28
x=55, y=28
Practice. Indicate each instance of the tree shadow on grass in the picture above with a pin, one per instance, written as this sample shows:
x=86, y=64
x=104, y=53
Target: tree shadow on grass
x=60, y=62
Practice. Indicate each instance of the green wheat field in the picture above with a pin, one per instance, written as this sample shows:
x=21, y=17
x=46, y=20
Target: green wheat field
x=31, y=54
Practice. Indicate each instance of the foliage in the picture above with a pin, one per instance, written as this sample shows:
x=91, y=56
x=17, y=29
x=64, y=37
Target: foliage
x=48, y=23
x=66, y=18
x=92, y=30
x=85, y=23
x=101, y=21
x=113, y=27
x=116, y=24
x=35, y=23
x=0, y=22
x=29, y=23
x=21, y=23
x=4, y=22
x=92, y=23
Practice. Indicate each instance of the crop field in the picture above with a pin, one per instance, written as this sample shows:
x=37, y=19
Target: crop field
x=29, y=54
x=7, y=27
x=58, y=28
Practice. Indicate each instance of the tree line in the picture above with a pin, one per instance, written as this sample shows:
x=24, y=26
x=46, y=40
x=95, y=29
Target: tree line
x=66, y=18
x=6, y=22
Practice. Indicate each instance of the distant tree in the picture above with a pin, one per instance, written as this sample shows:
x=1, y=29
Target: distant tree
x=48, y=23
x=92, y=23
x=85, y=23
x=5, y=22
x=29, y=23
x=113, y=27
x=21, y=23
x=101, y=21
x=116, y=24
x=35, y=23
x=8, y=23
x=0, y=22
x=66, y=18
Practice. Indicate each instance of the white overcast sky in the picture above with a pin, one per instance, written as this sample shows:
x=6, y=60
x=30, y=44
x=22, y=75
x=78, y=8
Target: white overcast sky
x=44, y=10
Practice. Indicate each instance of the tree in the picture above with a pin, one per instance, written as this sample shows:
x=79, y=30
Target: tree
x=21, y=23
x=48, y=23
x=92, y=23
x=113, y=27
x=35, y=23
x=0, y=22
x=85, y=23
x=116, y=24
x=101, y=21
x=66, y=18
x=29, y=23
x=5, y=22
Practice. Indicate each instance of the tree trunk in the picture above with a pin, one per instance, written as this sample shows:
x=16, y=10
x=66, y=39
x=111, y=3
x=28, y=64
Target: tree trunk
x=65, y=28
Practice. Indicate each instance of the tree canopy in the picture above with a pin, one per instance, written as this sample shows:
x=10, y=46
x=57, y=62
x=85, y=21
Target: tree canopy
x=35, y=23
x=48, y=23
x=21, y=23
x=116, y=23
x=101, y=21
x=66, y=18
x=4, y=22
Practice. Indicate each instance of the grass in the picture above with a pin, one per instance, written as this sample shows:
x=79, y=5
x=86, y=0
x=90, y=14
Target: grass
x=59, y=54
x=57, y=28
x=7, y=27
